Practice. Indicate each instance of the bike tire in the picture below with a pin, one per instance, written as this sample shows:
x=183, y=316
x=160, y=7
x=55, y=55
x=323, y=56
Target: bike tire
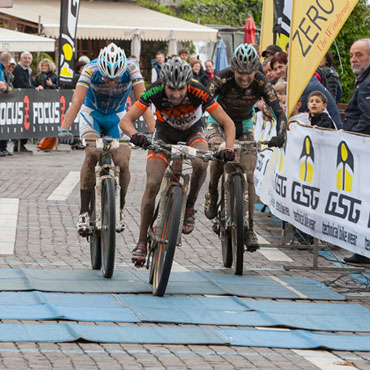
x=95, y=240
x=164, y=253
x=237, y=230
x=108, y=227
x=227, y=253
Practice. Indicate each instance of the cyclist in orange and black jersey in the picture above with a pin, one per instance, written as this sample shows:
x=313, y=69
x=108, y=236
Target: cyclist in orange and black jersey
x=179, y=101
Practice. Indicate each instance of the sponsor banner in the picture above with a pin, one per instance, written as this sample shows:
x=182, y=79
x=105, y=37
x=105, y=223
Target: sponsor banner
x=68, y=26
x=28, y=113
x=320, y=186
x=263, y=131
x=283, y=13
x=314, y=26
x=267, y=24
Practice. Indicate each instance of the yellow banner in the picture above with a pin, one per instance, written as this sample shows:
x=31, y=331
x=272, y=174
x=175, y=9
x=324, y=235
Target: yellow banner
x=314, y=26
x=267, y=24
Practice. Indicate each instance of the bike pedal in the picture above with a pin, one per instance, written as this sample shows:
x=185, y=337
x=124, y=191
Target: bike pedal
x=252, y=249
x=138, y=262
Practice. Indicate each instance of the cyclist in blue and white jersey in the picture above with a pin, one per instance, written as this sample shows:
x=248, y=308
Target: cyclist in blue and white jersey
x=100, y=98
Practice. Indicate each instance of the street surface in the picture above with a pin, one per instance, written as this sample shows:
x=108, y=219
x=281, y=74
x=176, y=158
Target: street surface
x=46, y=238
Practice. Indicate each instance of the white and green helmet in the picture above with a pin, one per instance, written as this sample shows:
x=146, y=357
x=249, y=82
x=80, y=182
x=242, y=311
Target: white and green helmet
x=245, y=59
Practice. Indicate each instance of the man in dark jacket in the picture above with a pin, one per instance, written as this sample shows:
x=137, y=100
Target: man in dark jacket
x=23, y=80
x=357, y=114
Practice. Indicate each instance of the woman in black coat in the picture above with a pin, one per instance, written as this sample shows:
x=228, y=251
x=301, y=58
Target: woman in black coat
x=47, y=77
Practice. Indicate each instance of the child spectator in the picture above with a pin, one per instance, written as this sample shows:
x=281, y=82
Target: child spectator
x=316, y=104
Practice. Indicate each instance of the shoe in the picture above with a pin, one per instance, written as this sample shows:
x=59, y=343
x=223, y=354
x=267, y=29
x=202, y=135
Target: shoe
x=210, y=206
x=357, y=258
x=251, y=240
x=122, y=222
x=189, y=220
x=3, y=154
x=83, y=224
x=138, y=256
x=7, y=153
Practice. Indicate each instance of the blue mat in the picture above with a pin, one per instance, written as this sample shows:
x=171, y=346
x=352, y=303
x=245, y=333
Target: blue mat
x=183, y=310
x=296, y=339
x=181, y=283
x=68, y=332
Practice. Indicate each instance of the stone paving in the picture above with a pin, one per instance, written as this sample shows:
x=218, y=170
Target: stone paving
x=46, y=238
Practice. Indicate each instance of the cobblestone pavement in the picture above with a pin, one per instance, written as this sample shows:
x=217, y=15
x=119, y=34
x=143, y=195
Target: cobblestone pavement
x=47, y=239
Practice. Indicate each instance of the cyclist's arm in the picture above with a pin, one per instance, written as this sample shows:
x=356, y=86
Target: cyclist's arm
x=77, y=100
x=148, y=115
x=127, y=121
x=228, y=125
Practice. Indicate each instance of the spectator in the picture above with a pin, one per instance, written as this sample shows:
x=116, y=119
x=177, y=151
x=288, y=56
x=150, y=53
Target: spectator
x=5, y=58
x=23, y=80
x=47, y=78
x=269, y=72
x=357, y=114
x=199, y=74
x=331, y=76
x=271, y=50
x=183, y=54
x=332, y=108
x=160, y=60
x=192, y=58
x=210, y=68
x=279, y=64
x=317, y=103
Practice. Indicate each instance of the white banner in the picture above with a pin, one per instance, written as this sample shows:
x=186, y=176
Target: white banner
x=262, y=131
x=321, y=186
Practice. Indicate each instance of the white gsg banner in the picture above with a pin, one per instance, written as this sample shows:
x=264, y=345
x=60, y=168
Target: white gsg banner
x=321, y=185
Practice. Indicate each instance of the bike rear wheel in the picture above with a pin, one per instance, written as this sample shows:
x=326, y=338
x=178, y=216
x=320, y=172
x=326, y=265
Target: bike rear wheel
x=165, y=249
x=227, y=253
x=237, y=225
x=108, y=227
x=95, y=240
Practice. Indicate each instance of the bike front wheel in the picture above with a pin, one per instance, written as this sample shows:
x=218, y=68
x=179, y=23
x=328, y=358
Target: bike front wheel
x=237, y=225
x=95, y=240
x=165, y=248
x=108, y=227
x=227, y=253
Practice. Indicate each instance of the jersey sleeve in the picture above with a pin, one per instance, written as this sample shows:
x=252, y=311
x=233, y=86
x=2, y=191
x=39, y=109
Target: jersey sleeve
x=87, y=72
x=203, y=96
x=134, y=71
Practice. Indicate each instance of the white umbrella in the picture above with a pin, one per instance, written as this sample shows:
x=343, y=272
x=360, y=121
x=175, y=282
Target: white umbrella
x=172, y=45
x=136, y=44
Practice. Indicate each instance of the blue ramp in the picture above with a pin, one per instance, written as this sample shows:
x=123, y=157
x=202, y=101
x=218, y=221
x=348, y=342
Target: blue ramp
x=181, y=283
x=67, y=332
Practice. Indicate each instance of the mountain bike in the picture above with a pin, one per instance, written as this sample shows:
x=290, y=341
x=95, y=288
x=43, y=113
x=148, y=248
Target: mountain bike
x=105, y=205
x=164, y=232
x=232, y=207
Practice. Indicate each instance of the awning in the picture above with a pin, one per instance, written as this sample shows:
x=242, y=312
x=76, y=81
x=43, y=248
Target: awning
x=14, y=41
x=111, y=20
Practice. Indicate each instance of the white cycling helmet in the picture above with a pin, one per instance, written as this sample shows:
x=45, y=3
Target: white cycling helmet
x=112, y=61
x=245, y=59
x=176, y=73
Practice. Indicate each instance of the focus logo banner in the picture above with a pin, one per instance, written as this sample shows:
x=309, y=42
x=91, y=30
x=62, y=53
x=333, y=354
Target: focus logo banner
x=322, y=187
x=68, y=27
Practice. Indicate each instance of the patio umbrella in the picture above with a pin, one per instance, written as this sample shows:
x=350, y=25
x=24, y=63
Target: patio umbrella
x=221, y=58
x=249, y=31
x=136, y=44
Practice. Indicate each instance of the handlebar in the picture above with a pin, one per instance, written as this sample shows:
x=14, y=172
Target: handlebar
x=105, y=144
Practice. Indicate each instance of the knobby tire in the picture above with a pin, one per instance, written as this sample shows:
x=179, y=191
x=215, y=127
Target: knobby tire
x=164, y=253
x=227, y=254
x=237, y=231
x=108, y=229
